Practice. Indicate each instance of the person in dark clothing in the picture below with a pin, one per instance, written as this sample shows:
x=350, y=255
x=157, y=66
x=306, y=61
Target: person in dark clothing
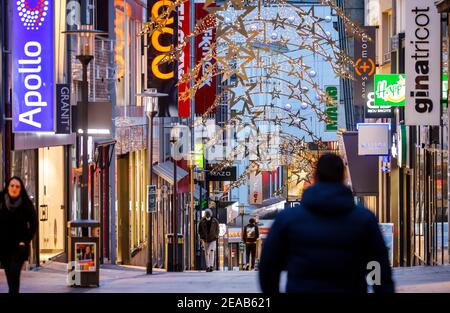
x=18, y=224
x=250, y=236
x=326, y=243
x=208, y=230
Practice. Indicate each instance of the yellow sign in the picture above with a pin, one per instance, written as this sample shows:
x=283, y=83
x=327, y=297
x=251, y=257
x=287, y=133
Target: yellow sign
x=156, y=43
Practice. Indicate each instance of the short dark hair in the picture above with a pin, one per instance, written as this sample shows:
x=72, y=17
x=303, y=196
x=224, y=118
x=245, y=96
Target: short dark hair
x=252, y=220
x=330, y=169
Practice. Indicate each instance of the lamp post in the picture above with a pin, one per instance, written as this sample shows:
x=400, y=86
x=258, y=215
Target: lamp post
x=151, y=109
x=174, y=136
x=242, y=213
x=85, y=54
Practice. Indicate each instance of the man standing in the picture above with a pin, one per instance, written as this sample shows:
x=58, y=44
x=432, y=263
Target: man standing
x=251, y=235
x=327, y=243
x=208, y=230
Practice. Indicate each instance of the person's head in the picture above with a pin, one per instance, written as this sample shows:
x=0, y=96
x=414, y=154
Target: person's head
x=208, y=214
x=15, y=188
x=330, y=169
x=88, y=249
x=252, y=221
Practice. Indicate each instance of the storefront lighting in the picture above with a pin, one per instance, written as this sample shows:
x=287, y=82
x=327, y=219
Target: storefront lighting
x=358, y=125
x=96, y=131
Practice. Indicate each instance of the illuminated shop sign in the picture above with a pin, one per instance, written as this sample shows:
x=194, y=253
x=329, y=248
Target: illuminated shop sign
x=373, y=138
x=162, y=69
x=390, y=89
x=422, y=63
x=331, y=111
x=33, y=66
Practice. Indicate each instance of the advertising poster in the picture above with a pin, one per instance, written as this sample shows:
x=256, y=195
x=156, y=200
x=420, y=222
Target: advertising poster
x=85, y=258
x=387, y=230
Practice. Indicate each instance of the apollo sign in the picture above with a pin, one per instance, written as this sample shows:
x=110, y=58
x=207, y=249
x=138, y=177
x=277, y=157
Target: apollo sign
x=33, y=67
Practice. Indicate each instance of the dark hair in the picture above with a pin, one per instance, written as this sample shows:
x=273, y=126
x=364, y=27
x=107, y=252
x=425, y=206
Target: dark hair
x=330, y=169
x=252, y=220
x=23, y=191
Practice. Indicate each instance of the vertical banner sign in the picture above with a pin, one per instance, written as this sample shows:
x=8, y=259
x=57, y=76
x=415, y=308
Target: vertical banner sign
x=332, y=109
x=422, y=63
x=256, y=192
x=162, y=73
x=184, y=106
x=204, y=42
x=33, y=66
x=63, y=109
x=363, y=85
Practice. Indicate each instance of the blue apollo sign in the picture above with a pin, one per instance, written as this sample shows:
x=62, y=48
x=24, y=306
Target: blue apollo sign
x=33, y=66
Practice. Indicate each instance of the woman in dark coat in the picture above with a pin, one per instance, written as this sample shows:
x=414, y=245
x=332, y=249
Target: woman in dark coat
x=18, y=223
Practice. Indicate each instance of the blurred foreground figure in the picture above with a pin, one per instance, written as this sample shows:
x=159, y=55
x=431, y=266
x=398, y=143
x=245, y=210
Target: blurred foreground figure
x=327, y=243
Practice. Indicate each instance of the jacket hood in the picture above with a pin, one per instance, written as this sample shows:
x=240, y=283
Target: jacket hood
x=328, y=198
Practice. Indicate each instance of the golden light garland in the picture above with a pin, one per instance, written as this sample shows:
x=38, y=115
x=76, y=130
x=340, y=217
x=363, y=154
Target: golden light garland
x=231, y=58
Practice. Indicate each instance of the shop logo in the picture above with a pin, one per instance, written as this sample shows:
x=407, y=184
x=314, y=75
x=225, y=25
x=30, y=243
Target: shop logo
x=390, y=89
x=162, y=49
x=33, y=67
x=364, y=67
x=32, y=17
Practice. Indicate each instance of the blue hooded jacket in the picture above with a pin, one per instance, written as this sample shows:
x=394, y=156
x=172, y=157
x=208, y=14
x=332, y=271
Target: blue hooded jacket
x=325, y=244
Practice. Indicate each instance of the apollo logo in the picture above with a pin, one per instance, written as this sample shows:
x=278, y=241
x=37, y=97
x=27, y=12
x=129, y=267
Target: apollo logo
x=31, y=16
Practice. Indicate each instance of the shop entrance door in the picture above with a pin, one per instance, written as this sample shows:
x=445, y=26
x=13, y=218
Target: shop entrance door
x=51, y=203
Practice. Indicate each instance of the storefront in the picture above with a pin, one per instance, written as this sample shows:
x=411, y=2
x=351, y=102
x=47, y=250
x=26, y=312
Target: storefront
x=43, y=162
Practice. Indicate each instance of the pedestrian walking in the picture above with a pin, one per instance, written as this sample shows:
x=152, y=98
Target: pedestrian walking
x=17, y=228
x=251, y=235
x=327, y=243
x=208, y=230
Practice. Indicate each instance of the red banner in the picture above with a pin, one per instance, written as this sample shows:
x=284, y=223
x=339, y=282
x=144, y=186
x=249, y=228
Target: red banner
x=206, y=94
x=184, y=106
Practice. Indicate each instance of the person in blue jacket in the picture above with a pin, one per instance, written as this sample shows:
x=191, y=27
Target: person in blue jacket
x=327, y=244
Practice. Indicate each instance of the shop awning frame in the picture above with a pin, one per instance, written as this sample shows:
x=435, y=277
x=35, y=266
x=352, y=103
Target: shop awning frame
x=165, y=171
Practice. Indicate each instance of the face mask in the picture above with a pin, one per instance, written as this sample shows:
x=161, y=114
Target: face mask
x=208, y=218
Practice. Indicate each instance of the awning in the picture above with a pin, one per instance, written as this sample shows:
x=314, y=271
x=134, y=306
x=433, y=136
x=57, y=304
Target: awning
x=197, y=192
x=165, y=171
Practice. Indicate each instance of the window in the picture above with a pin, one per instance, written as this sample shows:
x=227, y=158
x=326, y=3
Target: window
x=386, y=37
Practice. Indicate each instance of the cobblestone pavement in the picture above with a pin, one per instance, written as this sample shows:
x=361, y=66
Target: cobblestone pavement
x=51, y=278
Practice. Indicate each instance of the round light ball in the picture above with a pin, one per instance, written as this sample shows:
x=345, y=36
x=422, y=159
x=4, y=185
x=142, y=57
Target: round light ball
x=288, y=106
x=328, y=19
x=303, y=105
x=291, y=19
x=274, y=36
x=227, y=20
x=312, y=73
x=305, y=89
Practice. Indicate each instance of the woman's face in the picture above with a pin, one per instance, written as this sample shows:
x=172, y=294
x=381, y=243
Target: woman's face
x=14, y=189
